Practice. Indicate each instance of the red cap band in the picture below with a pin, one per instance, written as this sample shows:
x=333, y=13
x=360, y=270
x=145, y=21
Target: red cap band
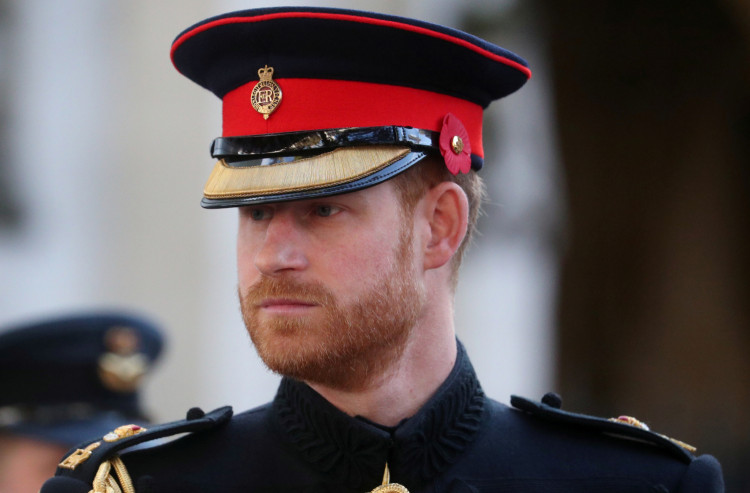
x=314, y=104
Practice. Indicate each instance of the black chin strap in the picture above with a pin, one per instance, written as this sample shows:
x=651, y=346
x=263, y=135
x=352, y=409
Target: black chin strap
x=318, y=141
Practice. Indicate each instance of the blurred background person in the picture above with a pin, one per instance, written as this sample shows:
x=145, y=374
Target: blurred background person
x=64, y=380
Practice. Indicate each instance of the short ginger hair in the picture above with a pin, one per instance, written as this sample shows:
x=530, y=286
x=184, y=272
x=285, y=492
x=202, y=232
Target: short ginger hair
x=413, y=184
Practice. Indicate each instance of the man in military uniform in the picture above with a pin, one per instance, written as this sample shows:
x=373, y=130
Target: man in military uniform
x=63, y=380
x=351, y=144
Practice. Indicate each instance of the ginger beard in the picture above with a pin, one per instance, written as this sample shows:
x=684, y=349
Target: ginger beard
x=344, y=346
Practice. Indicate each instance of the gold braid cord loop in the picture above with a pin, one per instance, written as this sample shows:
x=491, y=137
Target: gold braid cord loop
x=105, y=482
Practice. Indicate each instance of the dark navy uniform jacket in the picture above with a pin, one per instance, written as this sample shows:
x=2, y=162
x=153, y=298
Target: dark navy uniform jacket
x=460, y=441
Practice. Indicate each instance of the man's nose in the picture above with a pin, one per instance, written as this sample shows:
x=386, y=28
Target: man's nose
x=282, y=249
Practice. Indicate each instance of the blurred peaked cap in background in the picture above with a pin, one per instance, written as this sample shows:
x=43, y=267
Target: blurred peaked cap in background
x=295, y=81
x=68, y=378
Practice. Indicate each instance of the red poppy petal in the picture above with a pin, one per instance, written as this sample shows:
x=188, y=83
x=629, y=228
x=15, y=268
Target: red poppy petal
x=454, y=145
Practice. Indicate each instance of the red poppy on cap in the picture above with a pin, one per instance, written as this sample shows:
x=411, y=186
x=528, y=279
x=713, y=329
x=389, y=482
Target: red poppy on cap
x=455, y=145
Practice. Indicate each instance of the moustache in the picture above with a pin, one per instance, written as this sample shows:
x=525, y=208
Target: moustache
x=307, y=292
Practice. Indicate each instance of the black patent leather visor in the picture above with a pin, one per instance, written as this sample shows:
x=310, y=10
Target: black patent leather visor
x=299, y=165
x=317, y=141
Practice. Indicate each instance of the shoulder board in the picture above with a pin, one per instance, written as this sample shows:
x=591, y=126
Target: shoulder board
x=623, y=427
x=83, y=463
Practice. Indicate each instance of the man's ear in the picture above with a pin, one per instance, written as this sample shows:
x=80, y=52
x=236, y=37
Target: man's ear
x=446, y=209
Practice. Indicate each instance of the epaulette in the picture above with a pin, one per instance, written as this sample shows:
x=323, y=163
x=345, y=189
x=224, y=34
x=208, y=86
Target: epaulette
x=623, y=426
x=86, y=463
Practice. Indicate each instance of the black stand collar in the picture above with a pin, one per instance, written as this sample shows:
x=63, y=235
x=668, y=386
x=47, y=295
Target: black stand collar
x=353, y=451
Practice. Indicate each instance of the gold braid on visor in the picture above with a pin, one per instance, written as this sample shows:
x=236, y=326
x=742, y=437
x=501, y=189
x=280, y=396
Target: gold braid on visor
x=299, y=165
x=336, y=167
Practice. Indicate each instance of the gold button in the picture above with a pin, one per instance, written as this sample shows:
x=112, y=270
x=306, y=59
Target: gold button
x=457, y=144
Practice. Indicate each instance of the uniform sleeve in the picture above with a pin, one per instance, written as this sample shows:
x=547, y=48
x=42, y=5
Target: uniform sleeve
x=61, y=484
x=703, y=476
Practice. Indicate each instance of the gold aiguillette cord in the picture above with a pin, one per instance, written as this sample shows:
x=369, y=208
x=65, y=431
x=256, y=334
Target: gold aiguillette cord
x=104, y=482
x=387, y=486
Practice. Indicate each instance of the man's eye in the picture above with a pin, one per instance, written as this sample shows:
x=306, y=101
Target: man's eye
x=259, y=214
x=326, y=210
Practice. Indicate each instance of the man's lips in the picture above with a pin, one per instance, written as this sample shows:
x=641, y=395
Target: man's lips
x=282, y=305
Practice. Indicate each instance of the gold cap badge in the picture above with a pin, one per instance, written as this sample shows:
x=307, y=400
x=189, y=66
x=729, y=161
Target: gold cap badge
x=123, y=366
x=266, y=94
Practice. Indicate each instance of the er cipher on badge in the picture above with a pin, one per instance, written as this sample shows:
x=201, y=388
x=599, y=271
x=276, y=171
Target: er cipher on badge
x=266, y=94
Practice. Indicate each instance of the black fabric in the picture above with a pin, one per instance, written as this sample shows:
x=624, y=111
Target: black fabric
x=700, y=475
x=61, y=484
x=224, y=57
x=460, y=441
x=106, y=450
x=356, y=450
x=545, y=411
x=236, y=149
x=283, y=147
